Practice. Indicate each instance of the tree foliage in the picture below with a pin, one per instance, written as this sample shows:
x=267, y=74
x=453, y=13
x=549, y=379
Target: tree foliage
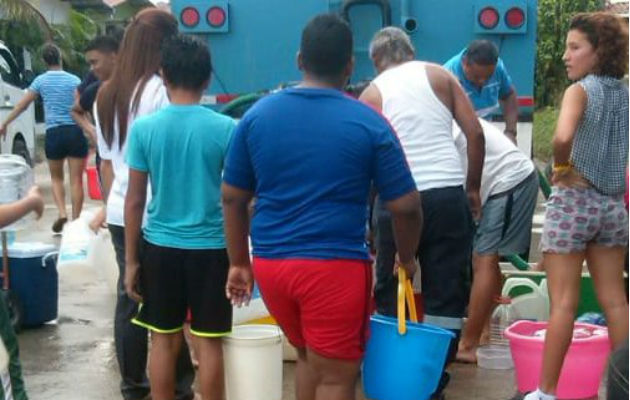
x=23, y=11
x=73, y=38
x=24, y=28
x=553, y=23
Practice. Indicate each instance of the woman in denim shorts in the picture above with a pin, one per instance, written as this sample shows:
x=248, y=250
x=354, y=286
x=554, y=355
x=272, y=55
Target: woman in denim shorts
x=586, y=218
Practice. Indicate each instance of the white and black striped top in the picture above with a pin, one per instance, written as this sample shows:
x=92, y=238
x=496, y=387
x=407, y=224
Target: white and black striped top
x=600, y=145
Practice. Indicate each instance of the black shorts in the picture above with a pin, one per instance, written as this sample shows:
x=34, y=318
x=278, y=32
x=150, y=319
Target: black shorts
x=444, y=253
x=175, y=280
x=65, y=141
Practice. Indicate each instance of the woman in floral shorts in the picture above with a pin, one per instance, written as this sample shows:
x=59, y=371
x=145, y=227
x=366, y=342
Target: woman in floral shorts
x=586, y=218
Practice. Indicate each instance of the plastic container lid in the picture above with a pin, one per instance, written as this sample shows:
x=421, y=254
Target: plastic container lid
x=254, y=334
x=30, y=249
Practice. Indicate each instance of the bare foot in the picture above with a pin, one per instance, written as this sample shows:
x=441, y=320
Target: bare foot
x=466, y=356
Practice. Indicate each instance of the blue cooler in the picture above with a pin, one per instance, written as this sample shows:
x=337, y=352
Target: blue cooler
x=33, y=279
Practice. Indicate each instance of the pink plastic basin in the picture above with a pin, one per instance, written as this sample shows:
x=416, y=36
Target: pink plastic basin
x=583, y=365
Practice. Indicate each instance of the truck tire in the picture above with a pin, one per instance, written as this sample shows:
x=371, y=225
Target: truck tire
x=20, y=149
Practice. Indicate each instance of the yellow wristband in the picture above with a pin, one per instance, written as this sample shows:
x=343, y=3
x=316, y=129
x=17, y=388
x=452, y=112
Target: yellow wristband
x=562, y=168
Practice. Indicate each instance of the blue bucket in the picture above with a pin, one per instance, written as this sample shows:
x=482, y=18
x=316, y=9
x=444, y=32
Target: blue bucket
x=403, y=367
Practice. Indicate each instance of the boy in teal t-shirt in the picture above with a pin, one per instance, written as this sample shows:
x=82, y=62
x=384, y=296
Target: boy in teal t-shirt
x=180, y=262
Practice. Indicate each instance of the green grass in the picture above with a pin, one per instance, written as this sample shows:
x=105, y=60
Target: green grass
x=544, y=127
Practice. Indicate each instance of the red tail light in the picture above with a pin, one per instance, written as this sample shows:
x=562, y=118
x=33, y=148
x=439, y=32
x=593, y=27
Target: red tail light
x=216, y=17
x=189, y=17
x=489, y=17
x=525, y=101
x=515, y=17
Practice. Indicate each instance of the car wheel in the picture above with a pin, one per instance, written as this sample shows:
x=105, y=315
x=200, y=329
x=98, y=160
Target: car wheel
x=20, y=149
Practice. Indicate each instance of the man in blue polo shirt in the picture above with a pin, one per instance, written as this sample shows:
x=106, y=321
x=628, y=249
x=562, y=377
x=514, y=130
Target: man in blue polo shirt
x=488, y=85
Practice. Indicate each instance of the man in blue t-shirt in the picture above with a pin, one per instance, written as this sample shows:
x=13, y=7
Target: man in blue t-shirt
x=488, y=85
x=183, y=263
x=309, y=155
x=64, y=139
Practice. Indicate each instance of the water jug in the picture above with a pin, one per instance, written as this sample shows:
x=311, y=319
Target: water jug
x=74, y=249
x=503, y=316
x=496, y=355
x=531, y=301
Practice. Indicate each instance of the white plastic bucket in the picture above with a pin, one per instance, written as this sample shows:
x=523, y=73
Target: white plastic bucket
x=253, y=363
x=16, y=177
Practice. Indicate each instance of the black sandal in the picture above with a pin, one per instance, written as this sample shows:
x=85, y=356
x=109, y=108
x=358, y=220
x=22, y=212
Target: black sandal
x=57, y=226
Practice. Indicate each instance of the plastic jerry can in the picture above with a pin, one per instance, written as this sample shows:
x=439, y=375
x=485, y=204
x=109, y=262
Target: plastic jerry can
x=74, y=249
x=533, y=305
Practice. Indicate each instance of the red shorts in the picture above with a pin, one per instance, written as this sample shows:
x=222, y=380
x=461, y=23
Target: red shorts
x=322, y=305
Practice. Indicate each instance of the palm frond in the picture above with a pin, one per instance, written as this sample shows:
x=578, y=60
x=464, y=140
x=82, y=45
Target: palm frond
x=22, y=10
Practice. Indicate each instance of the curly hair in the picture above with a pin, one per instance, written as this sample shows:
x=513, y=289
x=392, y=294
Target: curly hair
x=608, y=35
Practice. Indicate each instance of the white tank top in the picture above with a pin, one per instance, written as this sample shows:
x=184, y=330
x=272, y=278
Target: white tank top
x=423, y=125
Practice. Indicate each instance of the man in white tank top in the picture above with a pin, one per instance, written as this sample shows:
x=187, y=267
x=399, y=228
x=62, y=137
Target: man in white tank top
x=421, y=100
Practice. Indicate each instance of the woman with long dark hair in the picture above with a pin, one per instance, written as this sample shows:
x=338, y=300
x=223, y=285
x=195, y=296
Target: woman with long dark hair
x=134, y=90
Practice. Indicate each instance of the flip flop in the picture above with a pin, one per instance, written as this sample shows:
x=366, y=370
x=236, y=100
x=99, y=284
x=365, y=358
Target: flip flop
x=57, y=226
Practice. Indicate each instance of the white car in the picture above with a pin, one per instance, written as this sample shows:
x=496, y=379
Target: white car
x=20, y=138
